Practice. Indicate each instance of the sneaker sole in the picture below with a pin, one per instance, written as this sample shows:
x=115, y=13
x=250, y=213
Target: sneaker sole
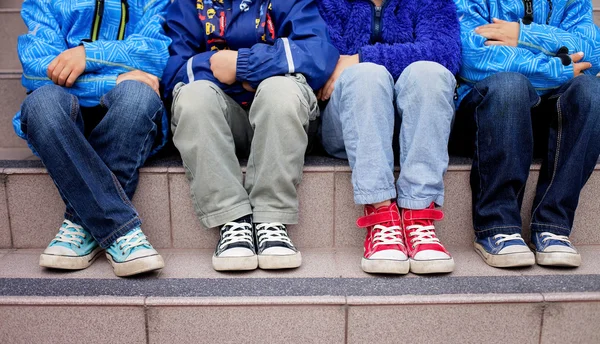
x=558, y=259
x=69, y=262
x=385, y=266
x=437, y=266
x=136, y=266
x=510, y=260
x=273, y=262
x=234, y=263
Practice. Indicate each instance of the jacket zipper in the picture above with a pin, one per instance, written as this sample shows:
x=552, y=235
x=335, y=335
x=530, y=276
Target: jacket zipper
x=124, y=20
x=97, y=20
x=377, y=15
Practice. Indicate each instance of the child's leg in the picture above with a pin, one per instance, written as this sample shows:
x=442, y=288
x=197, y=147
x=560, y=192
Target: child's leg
x=573, y=150
x=425, y=104
x=207, y=127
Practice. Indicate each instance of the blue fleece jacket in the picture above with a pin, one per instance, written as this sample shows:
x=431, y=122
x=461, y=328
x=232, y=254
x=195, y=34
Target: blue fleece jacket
x=403, y=32
x=271, y=38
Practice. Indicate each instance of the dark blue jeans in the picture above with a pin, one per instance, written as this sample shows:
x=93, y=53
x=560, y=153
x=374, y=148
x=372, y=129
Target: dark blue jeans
x=504, y=116
x=94, y=154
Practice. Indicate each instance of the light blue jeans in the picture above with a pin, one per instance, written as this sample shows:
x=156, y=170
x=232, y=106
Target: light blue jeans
x=358, y=125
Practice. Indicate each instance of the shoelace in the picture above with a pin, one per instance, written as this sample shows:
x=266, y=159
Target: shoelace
x=131, y=241
x=237, y=232
x=272, y=232
x=387, y=236
x=71, y=234
x=500, y=238
x=422, y=235
x=550, y=236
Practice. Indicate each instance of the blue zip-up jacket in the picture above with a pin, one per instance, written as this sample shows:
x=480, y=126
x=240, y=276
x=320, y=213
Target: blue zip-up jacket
x=556, y=24
x=271, y=38
x=55, y=26
x=399, y=33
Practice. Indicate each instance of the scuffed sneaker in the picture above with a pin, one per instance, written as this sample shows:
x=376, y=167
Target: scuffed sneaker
x=73, y=248
x=554, y=250
x=504, y=251
x=235, y=250
x=275, y=248
x=132, y=254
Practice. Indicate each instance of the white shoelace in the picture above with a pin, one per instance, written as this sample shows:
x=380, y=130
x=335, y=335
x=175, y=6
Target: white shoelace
x=500, y=238
x=272, y=232
x=71, y=234
x=422, y=235
x=387, y=236
x=550, y=236
x=135, y=239
x=238, y=232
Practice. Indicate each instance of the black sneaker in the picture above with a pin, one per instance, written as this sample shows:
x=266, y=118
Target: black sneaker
x=275, y=249
x=235, y=249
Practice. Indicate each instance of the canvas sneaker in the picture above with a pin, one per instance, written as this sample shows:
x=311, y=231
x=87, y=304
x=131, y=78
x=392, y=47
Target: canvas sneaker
x=426, y=253
x=73, y=248
x=554, y=250
x=275, y=248
x=235, y=249
x=132, y=254
x=504, y=251
x=384, y=250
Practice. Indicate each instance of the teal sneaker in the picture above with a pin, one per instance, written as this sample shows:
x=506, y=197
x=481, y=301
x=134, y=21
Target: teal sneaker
x=73, y=248
x=132, y=254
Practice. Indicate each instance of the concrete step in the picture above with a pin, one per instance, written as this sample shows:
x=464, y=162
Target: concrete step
x=31, y=208
x=327, y=300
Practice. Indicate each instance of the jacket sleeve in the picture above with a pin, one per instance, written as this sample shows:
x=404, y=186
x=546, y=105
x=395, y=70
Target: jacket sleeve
x=481, y=61
x=189, y=60
x=576, y=31
x=302, y=47
x=437, y=39
x=42, y=44
x=146, y=49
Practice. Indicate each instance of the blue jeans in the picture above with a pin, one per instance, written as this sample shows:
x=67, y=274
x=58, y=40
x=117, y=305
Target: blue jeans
x=93, y=154
x=359, y=121
x=505, y=116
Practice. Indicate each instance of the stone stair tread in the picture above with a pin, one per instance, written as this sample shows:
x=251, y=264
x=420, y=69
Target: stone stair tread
x=188, y=273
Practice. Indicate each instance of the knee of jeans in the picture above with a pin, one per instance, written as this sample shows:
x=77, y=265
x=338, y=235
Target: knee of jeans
x=367, y=76
x=585, y=91
x=42, y=109
x=427, y=75
x=135, y=98
x=507, y=88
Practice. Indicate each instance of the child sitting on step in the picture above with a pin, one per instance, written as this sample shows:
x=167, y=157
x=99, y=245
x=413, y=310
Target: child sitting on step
x=94, y=115
x=241, y=78
x=528, y=87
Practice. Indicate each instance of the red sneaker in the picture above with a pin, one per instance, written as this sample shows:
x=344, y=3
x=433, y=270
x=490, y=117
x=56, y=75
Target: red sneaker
x=426, y=252
x=384, y=244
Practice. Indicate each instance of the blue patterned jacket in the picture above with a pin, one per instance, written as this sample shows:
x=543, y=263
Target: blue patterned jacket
x=556, y=23
x=130, y=36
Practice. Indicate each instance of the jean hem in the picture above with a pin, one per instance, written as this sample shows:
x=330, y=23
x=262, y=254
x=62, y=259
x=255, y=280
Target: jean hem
x=221, y=217
x=548, y=227
x=491, y=231
x=375, y=197
x=421, y=203
x=129, y=225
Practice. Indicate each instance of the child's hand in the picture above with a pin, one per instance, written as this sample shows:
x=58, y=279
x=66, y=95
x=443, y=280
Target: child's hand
x=223, y=64
x=344, y=62
x=500, y=32
x=67, y=66
x=579, y=67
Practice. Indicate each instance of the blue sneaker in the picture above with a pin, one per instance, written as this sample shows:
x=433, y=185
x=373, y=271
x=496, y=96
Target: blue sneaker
x=504, y=251
x=132, y=254
x=554, y=250
x=73, y=248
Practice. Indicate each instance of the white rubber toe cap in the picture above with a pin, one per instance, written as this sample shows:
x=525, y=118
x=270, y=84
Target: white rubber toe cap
x=237, y=252
x=389, y=255
x=60, y=251
x=431, y=255
x=559, y=248
x=514, y=249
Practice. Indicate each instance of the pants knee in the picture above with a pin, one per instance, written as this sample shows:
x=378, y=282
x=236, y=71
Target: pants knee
x=47, y=108
x=284, y=96
x=365, y=78
x=428, y=75
x=137, y=101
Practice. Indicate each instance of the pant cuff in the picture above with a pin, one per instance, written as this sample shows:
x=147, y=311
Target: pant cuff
x=108, y=241
x=491, y=231
x=547, y=227
x=221, y=217
x=417, y=204
x=287, y=218
x=375, y=197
